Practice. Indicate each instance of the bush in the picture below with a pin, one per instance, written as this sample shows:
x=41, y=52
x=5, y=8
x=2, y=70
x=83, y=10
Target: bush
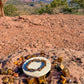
x=69, y=10
x=54, y=7
x=46, y=9
x=10, y=10
x=80, y=3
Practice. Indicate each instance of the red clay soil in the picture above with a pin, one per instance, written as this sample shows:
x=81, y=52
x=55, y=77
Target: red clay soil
x=29, y=34
x=41, y=31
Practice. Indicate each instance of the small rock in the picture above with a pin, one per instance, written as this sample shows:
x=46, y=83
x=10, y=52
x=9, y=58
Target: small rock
x=70, y=81
x=48, y=45
x=20, y=17
x=4, y=71
x=75, y=80
x=82, y=79
x=78, y=58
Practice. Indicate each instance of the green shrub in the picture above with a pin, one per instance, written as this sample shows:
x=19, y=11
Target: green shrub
x=46, y=9
x=10, y=10
x=80, y=3
x=54, y=7
x=69, y=10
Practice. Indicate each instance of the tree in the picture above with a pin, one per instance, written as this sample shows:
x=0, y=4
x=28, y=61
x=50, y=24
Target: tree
x=79, y=3
x=10, y=10
x=46, y=9
x=58, y=3
x=55, y=6
x=2, y=2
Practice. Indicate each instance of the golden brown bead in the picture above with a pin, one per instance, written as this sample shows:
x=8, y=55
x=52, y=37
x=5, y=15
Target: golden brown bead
x=65, y=72
x=11, y=79
x=42, y=52
x=19, y=63
x=5, y=80
x=9, y=72
x=28, y=57
x=20, y=59
x=59, y=59
x=16, y=62
x=61, y=66
x=9, y=83
x=15, y=74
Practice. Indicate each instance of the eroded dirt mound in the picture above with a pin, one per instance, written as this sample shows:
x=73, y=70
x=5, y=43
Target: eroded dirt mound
x=41, y=31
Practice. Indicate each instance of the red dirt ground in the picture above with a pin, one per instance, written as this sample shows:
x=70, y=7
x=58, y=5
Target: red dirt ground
x=41, y=31
x=36, y=32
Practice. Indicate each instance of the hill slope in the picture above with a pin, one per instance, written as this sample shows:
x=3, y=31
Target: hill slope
x=40, y=31
x=62, y=34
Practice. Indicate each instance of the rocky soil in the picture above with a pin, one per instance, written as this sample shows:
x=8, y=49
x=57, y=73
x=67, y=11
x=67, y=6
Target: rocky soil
x=59, y=35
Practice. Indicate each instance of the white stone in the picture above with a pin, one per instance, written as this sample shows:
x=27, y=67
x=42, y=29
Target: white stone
x=37, y=73
x=34, y=65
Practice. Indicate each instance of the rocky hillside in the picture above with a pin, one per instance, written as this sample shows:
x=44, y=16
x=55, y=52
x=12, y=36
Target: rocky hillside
x=64, y=34
x=41, y=31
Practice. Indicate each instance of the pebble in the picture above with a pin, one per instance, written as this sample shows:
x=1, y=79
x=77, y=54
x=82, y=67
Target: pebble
x=4, y=71
x=82, y=79
x=70, y=80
